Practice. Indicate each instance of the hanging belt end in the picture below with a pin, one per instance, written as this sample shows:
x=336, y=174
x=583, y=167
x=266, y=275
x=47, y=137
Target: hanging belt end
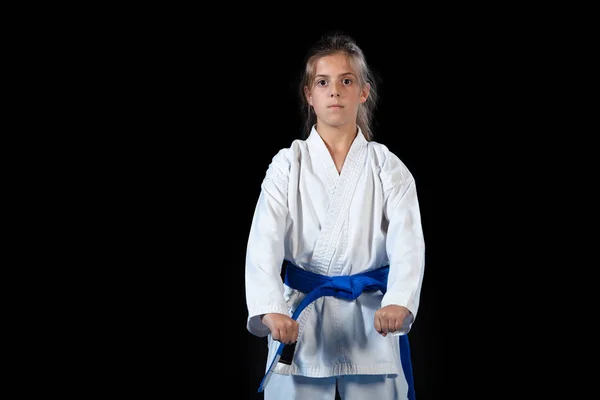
x=267, y=377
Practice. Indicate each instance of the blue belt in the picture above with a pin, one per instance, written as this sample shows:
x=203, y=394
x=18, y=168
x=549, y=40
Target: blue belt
x=343, y=287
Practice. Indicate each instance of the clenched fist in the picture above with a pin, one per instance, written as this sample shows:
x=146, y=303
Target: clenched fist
x=389, y=319
x=283, y=328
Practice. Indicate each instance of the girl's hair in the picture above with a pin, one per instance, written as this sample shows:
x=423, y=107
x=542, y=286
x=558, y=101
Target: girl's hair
x=328, y=45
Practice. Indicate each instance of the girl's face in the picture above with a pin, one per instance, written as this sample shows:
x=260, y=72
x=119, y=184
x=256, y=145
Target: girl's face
x=335, y=92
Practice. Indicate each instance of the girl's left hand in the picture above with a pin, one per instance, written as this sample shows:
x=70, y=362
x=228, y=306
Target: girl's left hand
x=389, y=319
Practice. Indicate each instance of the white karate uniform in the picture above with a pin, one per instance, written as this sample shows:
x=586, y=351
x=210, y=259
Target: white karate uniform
x=335, y=224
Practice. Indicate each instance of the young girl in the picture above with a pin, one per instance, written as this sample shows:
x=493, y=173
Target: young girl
x=340, y=212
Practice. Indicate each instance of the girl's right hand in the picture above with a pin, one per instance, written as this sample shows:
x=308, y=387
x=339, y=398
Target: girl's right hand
x=283, y=328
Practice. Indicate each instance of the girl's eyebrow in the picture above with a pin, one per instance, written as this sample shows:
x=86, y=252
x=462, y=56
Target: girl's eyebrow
x=327, y=76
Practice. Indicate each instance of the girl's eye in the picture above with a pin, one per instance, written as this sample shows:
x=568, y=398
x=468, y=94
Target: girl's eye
x=347, y=81
x=321, y=82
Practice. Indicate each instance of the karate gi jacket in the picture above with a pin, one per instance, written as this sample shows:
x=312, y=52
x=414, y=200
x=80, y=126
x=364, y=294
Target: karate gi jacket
x=365, y=217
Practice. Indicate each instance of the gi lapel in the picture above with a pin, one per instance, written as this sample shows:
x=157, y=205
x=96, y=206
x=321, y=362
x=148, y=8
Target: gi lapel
x=337, y=213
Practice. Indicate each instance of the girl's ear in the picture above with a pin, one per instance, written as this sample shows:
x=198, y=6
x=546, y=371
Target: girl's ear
x=308, y=95
x=364, y=93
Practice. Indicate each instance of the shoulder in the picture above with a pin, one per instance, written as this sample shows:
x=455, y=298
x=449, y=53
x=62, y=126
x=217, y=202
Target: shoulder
x=286, y=154
x=282, y=160
x=386, y=158
x=392, y=168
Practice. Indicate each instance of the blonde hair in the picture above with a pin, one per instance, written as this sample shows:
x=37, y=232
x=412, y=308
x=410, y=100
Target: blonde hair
x=332, y=44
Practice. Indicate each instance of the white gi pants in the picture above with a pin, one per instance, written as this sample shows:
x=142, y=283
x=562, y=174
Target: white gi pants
x=351, y=387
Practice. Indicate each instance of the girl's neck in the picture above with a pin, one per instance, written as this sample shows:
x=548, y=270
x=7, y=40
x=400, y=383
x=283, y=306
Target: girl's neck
x=337, y=139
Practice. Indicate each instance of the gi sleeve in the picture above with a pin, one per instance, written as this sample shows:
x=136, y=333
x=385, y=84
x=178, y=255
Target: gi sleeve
x=265, y=247
x=405, y=242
